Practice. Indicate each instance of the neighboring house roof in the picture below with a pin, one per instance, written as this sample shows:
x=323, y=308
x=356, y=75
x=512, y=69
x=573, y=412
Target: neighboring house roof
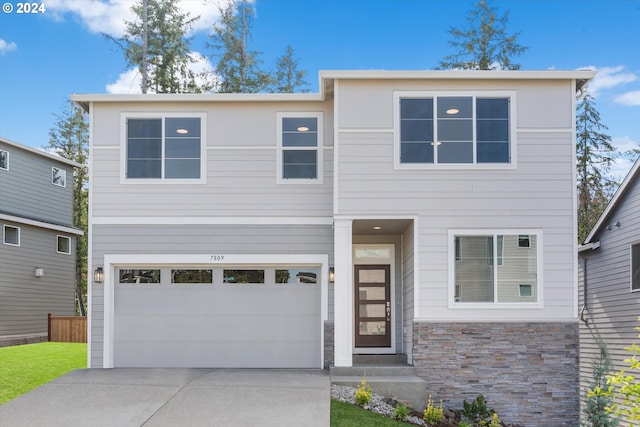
x=611, y=207
x=41, y=224
x=41, y=152
x=326, y=85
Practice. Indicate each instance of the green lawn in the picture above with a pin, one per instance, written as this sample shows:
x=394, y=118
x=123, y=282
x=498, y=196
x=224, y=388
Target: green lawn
x=25, y=367
x=345, y=415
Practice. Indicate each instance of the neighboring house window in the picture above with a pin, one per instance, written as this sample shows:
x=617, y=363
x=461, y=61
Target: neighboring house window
x=491, y=268
x=4, y=160
x=299, y=147
x=168, y=147
x=11, y=235
x=453, y=130
x=64, y=245
x=635, y=267
x=58, y=176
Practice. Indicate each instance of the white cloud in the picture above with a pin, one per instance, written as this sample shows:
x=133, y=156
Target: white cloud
x=609, y=77
x=622, y=165
x=6, y=47
x=129, y=81
x=629, y=98
x=108, y=16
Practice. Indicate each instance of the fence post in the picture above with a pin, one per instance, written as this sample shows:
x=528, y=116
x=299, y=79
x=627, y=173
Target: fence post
x=49, y=327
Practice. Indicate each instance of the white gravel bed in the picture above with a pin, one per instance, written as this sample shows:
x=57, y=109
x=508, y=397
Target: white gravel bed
x=376, y=404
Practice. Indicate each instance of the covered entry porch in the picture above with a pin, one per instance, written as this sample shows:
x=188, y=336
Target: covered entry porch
x=374, y=292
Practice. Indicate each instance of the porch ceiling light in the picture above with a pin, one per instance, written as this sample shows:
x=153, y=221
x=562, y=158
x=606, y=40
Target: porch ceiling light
x=377, y=227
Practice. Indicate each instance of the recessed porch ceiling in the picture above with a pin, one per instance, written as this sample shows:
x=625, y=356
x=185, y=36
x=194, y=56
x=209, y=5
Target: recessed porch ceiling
x=363, y=227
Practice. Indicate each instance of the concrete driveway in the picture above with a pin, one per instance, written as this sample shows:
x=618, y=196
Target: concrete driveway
x=175, y=397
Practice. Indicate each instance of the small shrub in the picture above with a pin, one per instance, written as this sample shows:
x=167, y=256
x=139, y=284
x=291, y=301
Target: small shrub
x=465, y=424
x=400, y=412
x=433, y=414
x=477, y=412
x=363, y=393
x=495, y=421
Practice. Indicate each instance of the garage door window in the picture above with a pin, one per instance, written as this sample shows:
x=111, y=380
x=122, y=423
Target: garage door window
x=192, y=276
x=297, y=276
x=139, y=276
x=243, y=276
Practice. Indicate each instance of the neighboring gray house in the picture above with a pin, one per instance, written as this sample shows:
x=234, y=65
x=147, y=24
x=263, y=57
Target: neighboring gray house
x=609, y=261
x=435, y=210
x=37, y=252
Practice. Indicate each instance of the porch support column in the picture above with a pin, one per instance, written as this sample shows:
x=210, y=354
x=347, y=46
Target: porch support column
x=343, y=293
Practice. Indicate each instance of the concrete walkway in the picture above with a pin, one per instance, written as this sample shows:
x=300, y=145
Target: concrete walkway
x=175, y=397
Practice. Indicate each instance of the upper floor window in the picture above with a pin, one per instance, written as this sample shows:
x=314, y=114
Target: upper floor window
x=11, y=235
x=4, y=160
x=635, y=267
x=168, y=147
x=58, y=176
x=300, y=147
x=492, y=268
x=63, y=245
x=433, y=129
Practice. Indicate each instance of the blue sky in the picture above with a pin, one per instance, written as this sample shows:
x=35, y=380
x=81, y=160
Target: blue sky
x=45, y=57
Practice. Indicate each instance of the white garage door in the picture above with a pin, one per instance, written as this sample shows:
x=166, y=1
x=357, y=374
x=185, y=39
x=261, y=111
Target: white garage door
x=232, y=317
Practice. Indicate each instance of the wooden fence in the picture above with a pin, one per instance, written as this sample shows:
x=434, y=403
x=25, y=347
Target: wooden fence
x=67, y=328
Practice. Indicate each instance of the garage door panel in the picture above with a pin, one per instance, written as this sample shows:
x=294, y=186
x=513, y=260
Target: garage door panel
x=231, y=325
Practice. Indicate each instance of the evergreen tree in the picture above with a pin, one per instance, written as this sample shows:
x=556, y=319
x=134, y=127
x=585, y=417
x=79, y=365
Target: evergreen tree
x=595, y=412
x=168, y=56
x=70, y=139
x=594, y=155
x=238, y=68
x=287, y=78
x=485, y=45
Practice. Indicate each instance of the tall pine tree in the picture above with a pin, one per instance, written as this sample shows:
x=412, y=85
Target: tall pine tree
x=594, y=154
x=168, y=56
x=287, y=77
x=70, y=139
x=238, y=67
x=485, y=44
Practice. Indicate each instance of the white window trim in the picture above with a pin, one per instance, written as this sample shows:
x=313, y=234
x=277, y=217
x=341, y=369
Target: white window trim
x=319, y=149
x=4, y=235
x=58, y=246
x=536, y=290
x=7, y=153
x=475, y=94
x=162, y=115
x=64, y=173
x=631, y=266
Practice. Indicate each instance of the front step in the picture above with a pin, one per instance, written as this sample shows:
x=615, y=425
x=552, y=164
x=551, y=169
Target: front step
x=386, y=377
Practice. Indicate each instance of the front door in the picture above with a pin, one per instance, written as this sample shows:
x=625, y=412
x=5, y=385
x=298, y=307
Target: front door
x=373, y=305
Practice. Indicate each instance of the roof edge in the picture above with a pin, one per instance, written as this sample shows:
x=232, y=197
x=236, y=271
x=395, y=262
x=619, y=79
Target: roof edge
x=41, y=152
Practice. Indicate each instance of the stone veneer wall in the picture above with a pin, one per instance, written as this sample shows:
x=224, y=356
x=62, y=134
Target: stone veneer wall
x=528, y=372
x=328, y=343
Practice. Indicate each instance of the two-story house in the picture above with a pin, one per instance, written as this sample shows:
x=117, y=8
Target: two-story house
x=423, y=213
x=38, y=250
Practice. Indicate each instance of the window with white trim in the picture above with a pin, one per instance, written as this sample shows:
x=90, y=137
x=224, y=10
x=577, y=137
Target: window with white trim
x=169, y=147
x=491, y=267
x=11, y=235
x=299, y=147
x=63, y=245
x=58, y=176
x=635, y=267
x=453, y=129
x=4, y=160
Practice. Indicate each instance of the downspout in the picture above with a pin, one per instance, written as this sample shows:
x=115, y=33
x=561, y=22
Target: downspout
x=584, y=292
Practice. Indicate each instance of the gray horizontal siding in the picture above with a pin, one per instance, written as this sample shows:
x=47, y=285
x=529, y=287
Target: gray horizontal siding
x=27, y=190
x=25, y=299
x=612, y=309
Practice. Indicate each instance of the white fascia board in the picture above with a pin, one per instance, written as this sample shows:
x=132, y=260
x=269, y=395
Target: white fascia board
x=41, y=224
x=41, y=153
x=458, y=74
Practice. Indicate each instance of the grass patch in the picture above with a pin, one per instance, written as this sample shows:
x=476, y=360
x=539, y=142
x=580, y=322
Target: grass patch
x=25, y=367
x=346, y=415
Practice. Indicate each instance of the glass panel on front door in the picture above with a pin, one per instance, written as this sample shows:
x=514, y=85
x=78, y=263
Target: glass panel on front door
x=373, y=306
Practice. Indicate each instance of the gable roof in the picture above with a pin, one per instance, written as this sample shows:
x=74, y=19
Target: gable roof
x=41, y=152
x=615, y=200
